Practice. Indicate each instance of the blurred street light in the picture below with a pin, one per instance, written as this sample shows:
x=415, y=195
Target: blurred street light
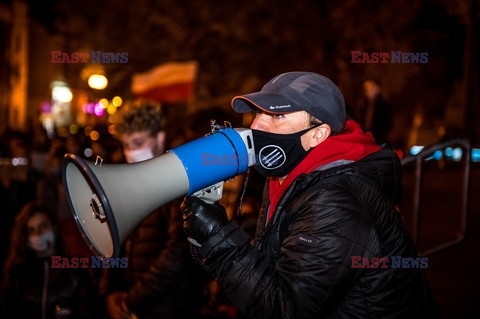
x=97, y=81
x=61, y=92
x=117, y=101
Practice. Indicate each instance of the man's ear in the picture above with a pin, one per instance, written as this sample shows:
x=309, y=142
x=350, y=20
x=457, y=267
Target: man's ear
x=319, y=135
x=160, y=141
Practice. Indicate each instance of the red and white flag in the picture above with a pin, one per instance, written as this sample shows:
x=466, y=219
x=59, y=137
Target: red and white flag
x=169, y=82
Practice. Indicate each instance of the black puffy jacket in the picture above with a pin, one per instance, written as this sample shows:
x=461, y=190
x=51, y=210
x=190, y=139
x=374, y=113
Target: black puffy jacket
x=300, y=264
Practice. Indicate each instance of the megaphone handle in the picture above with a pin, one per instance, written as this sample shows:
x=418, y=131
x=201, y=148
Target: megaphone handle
x=210, y=194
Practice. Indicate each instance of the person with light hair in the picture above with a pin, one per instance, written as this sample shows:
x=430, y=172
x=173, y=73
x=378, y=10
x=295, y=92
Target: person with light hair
x=161, y=278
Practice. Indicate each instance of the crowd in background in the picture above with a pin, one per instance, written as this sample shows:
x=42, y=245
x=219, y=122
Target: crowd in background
x=36, y=185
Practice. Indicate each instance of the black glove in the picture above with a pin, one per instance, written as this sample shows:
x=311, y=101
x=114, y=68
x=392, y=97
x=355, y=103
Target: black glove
x=201, y=220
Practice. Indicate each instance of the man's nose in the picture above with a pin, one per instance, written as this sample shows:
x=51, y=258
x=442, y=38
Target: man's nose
x=260, y=122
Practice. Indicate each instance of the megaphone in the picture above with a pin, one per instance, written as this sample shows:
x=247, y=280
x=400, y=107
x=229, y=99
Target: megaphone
x=109, y=200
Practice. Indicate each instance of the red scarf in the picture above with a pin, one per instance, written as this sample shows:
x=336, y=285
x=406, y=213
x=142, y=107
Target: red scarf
x=353, y=144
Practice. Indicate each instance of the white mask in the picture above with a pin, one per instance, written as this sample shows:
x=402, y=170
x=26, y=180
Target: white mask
x=42, y=243
x=142, y=154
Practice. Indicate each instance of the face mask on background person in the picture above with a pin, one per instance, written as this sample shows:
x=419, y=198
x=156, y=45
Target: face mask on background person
x=42, y=243
x=278, y=154
x=138, y=155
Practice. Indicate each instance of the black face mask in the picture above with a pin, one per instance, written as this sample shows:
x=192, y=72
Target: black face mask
x=278, y=154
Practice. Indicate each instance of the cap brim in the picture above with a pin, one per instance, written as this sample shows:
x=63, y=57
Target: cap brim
x=268, y=102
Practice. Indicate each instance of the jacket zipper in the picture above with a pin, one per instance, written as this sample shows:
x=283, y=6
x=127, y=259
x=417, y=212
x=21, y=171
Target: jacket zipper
x=268, y=226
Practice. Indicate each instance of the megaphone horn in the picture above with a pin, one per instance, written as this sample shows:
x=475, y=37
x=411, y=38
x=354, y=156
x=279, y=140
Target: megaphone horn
x=109, y=200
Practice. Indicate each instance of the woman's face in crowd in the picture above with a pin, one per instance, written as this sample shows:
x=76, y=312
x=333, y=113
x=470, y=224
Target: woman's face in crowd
x=38, y=224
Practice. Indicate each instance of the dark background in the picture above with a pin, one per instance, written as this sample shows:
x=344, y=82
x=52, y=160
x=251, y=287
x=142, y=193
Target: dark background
x=240, y=45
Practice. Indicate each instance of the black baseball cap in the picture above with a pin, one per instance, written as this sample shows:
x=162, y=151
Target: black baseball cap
x=298, y=91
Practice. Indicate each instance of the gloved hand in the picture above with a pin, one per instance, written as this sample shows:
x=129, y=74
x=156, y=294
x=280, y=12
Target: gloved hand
x=201, y=220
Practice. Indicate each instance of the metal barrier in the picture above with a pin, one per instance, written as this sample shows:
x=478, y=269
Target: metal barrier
x=418, y=160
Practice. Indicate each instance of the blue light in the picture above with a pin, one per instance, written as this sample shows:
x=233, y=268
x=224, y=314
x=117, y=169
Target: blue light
x=448, y=152
x=415, y=149
x=457, y=154
x=437, y=155
x=475, y=154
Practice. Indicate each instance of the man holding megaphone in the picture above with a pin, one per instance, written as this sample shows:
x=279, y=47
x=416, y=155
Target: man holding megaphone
x=329, y=200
